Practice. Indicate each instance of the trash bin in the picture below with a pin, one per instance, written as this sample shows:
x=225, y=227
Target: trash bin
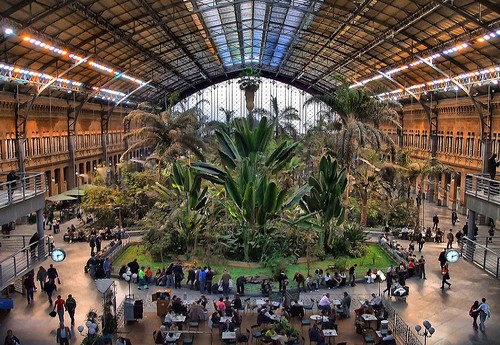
x=128, y=310
x=384, y=327
x=138, y=309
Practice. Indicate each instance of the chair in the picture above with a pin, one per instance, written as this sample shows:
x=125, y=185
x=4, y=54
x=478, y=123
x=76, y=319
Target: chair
x=368, y=337
x=256, y=334
x=309, y=306
x=156, y=339
x=244, y=338
x=188, y=340
x=194, y=324
x=305, y=322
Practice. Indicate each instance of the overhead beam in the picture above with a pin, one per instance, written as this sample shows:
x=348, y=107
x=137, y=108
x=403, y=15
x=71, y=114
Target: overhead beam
x=119, y=34
x=161, y=23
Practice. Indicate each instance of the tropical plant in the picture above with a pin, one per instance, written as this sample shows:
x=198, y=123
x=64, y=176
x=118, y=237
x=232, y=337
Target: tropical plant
x=191, y=200
x=355, y=117
x=170, y=133
x=282, y=118
x=249, y=82
x=254, y=199
x=367, y=183
x=325, y=199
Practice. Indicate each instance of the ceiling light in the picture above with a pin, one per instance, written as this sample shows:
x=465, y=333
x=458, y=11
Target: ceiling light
x=8, y=31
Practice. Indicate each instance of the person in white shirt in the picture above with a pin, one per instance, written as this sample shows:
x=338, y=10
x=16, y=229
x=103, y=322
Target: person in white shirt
x=375, y=301
x=324, y=303
x=484, y=310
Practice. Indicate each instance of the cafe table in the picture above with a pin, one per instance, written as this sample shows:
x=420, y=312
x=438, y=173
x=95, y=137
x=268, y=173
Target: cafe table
x=336, y=302
x=316, y=317
x=224, y=319
x=171, y=337
x=330, y=333
x=369, y=318
x=228, y=335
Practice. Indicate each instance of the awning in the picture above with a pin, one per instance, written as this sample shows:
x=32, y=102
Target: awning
x=77, y=191
x=60, y=197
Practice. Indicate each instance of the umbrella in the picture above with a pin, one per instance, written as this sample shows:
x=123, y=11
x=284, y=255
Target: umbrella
x=60, y=197
x=77, y=191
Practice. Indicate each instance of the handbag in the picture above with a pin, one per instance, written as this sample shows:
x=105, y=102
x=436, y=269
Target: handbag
x=52, y=313
x=58, y=281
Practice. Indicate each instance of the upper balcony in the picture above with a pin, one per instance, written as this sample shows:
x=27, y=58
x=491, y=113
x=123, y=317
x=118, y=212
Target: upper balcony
x=483, y=195
x=25, y=195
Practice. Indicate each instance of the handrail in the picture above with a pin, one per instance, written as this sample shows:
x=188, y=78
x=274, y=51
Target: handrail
x=483, y=188
x=27, y=186
x=22, y=261
x=481, y=255
x=400, y=328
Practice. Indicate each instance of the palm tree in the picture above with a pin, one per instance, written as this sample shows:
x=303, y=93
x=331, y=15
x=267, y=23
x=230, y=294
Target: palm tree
x=228, y=119
x=281, y=118
x=367, y=184
x=356, y=116
x=171, y=133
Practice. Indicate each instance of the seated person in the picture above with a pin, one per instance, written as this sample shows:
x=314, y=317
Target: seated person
x=439, y=236
x=364, y=309
x=196, y=312
x=309, y=283
x=316, y=335
x=237, y=304
x=327, y=280
x=388, y=339
x=123, y=269
x=236, y=319
x=381, y=315
x=336, y=280
x=399, y=290
x=203, y=301
x=343, y=279
x=345, y=305
x=221, y=306
x=215, y=318
x=369, y=277
x=411, y=247
x=375, y=301
x=297, y=310
x=265, y=316
x=228, y=326
x=265, y=288
x=178, y=307
x=159, y=338
x=229, y=306
x=329, y=321
x=168, y=319
x=324, y=303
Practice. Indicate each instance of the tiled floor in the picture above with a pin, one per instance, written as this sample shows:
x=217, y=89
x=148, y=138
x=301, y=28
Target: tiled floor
x=447, y=309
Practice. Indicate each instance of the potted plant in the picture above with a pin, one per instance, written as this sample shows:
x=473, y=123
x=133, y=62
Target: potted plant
x=249, y=82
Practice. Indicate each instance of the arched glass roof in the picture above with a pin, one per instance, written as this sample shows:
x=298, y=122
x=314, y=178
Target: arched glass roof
x=145, y=49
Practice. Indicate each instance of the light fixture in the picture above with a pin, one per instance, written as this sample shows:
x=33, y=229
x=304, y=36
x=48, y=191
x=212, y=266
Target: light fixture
x=448, y=51
x=128, y=276
x=8, y=31
x=427, y=332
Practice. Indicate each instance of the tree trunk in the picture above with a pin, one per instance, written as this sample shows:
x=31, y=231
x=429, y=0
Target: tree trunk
x=364, y=210
x=250, y=101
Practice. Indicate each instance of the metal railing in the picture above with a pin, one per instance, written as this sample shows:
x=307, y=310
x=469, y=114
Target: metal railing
x=13, y=242
x=483, y=188
x=22, y=261
x=482, y=256
x=400, y=329
x=26, y=186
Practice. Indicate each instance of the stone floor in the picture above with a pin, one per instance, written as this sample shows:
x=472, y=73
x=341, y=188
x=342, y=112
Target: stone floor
x=447, y=309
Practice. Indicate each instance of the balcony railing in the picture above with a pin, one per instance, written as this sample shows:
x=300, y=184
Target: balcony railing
x=27, y=186
x=22, y=261
x=482, y=256
x=483, y=187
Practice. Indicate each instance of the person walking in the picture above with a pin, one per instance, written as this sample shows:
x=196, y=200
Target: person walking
x=33, y=244
x=41, y=277
x=49, y=288
x=50, y=242
x=52, y=273
x=29, y=285
x=484, y=311
x=11, y=339
x=454, y=217
x=106, y=266
x=225, y=282
x=492, y=165
x=63, y=335
x=59, y=308
x=442, y=258
x=70, y=306
x=352, y=275
x=421, y=264
x=445, y=272
x=98, y=243
x=474, y=313
x=450, y=238
x=92, y=245
x=11, y=184
x=435, y=222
